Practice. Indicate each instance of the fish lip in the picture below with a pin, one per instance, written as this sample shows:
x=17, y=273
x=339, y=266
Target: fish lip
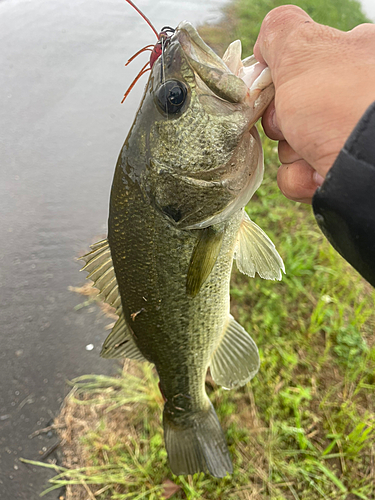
x=210, y=67
x=196, y=49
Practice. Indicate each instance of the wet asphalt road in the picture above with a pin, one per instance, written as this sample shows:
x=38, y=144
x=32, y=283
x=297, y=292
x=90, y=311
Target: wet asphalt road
x=61, y=128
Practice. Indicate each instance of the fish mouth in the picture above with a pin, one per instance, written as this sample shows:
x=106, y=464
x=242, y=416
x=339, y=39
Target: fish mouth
x=196, y=49
x=229, y=78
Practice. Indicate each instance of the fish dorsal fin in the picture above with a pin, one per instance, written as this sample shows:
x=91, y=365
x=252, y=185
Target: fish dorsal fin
x=236, y=359
x=255, y=252
x=99, y=265
x=120, y=342
x=203, y=259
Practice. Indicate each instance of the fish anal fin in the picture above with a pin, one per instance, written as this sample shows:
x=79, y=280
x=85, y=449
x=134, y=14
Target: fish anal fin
x=203, y=259
x=120, y=343
x=236, y=359
x=255, y=252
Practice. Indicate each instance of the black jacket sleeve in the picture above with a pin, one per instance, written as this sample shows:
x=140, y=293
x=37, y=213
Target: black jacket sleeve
x=344, y=206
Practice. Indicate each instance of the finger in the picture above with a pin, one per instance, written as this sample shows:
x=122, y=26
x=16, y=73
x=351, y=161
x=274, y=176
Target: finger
x=275, y=29
x=298, y=181
x=287, y=153
x=269, y=123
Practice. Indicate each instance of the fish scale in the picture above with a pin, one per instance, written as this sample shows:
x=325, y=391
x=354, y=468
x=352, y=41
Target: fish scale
x=191, y=161
x=145, y=270
x=170, y=137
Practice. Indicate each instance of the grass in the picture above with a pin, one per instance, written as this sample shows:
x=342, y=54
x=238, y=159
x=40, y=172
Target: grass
x=304, y=428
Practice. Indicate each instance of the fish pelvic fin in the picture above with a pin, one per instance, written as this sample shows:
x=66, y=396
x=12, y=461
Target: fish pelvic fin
x=203, y=259
x=196, y=444
x=255, y=252
x=236, y=359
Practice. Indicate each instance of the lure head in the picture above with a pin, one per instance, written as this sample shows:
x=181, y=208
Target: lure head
x=163, y=39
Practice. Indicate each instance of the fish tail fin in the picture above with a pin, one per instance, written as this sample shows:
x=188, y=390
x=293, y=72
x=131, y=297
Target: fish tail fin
x=196, y=444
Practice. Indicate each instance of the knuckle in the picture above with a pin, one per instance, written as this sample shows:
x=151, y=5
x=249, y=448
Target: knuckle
x=284, y=15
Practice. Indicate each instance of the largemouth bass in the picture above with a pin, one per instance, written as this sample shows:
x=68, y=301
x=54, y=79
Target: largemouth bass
x=192, y=160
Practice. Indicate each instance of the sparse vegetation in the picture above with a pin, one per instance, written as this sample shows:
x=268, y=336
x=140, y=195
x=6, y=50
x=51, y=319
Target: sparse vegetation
x=243, y=19
x=304, y=428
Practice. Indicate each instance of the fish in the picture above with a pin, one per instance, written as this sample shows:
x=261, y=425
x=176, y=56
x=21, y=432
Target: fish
x=191, y=162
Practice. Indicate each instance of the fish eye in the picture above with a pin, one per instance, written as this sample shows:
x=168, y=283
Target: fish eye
x=171, y=97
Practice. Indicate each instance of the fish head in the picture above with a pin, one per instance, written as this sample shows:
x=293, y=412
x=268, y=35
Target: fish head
x=194, y=132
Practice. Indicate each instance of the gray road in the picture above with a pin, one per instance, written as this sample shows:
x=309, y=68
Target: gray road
x=61, y=128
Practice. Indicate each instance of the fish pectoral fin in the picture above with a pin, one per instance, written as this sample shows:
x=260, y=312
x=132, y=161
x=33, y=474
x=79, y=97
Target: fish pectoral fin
x=236, y=359
x=99, y=265
x=203, y=259
x=255, y=252
x=120, y=343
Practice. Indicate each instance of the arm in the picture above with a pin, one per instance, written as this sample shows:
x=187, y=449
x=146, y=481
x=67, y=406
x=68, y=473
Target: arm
x=344, y=206
x=325, y=80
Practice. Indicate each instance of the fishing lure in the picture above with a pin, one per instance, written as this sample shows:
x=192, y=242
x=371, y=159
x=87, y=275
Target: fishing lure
x=163, y=39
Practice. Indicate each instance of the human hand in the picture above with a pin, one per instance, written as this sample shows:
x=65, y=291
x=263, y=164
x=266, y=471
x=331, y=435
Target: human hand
x=324, y=81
